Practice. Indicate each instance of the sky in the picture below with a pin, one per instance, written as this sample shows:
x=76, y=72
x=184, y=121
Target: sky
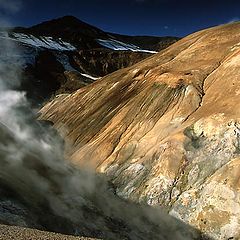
x=131, y=17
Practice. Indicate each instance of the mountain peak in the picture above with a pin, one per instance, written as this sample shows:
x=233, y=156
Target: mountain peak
x=65, y=20
x=69, y=18
x=66, y=25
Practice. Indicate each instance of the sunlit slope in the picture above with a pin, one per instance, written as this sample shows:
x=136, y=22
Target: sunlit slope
x=166, y=130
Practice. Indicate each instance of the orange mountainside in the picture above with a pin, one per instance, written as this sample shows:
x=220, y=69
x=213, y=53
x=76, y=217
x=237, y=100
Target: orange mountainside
x=166, y=130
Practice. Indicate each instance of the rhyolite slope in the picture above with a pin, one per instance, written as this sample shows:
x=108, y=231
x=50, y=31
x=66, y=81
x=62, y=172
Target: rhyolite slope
x=166, y=130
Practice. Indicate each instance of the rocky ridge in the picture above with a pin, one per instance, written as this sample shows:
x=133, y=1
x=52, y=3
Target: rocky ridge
x=166, y=130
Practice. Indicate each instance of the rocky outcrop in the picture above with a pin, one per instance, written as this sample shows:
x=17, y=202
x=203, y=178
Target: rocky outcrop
x=166, y=130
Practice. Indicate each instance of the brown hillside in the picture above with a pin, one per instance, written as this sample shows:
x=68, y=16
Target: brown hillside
x=166, y=130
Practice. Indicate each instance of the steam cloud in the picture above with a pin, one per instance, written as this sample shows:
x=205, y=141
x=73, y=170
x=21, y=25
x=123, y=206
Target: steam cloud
x=32, y=165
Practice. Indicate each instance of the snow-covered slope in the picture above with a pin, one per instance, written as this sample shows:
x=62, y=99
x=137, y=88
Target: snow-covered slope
x=60, y=45
x=39, y=42
x=120, y=46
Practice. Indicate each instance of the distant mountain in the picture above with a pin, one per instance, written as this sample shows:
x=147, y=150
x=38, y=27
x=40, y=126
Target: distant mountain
x=71, y=29
x=85, y=36
x=65, y=54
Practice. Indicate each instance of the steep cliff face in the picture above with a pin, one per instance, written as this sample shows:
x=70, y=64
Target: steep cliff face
x=166, y=130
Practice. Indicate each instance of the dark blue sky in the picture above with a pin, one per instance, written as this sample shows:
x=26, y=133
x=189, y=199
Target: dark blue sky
x=132, y=17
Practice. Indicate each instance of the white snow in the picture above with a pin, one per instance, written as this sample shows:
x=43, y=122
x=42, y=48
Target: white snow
x=120, y=46
x=89, y=76
x=39, y=42
x=60, y=45
x=64, y=60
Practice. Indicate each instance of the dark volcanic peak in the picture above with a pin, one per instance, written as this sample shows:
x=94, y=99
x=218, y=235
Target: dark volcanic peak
x=70, y=29
x=83, y=35
x=66, y=25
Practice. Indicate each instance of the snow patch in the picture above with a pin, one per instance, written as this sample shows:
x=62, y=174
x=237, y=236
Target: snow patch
x=38, y=42
x=64, y=60
x=89, y=76
x=120, y=46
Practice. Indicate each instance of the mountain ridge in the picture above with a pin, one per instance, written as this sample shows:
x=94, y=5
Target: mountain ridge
x=72, y=26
